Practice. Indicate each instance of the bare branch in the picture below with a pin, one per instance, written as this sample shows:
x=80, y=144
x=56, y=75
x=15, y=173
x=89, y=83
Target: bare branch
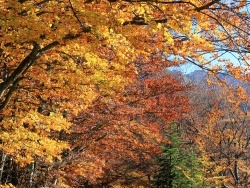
x=83, y=25
x=206, y=6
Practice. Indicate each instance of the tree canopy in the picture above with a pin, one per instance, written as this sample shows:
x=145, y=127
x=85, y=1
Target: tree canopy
x=83, y=80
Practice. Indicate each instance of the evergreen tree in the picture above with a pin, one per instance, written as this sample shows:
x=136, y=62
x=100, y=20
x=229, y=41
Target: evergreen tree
x=179, y=167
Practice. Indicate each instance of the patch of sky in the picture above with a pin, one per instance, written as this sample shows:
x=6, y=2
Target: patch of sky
x=188, y=68
x=225, y=55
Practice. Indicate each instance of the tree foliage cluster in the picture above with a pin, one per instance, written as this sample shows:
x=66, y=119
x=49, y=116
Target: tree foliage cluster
x=179, y=166
x=86, y=99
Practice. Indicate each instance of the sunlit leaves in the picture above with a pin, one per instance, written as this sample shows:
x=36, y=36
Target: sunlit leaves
x=222, y=136
x=26, y=138
x=108, y=62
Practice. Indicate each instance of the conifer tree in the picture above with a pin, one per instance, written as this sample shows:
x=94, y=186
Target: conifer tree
x=179, y=166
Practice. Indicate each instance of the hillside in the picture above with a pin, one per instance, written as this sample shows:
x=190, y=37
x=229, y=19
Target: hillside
x=200, y=76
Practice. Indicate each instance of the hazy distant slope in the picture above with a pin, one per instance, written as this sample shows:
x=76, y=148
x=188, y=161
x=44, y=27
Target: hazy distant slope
x=200, y=76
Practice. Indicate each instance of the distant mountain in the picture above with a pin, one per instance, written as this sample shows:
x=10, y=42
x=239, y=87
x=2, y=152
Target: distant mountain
x=231, y=80
x=200, y=76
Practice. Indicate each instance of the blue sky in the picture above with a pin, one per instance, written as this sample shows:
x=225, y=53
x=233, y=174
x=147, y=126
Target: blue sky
x=189, y=67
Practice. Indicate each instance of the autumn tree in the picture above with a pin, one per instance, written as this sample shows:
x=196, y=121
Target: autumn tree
x=219, y=128
x=125, y=134
x=58, y=57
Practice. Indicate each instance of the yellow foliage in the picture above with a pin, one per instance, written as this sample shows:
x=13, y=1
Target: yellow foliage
x=64, y=55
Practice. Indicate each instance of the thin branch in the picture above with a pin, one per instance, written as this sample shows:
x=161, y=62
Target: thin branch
x=83, y=25
x=198, y=65
x=206, y=6
x=42, y=2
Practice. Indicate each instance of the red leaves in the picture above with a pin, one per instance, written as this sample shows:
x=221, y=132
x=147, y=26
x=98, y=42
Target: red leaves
x=127, y=130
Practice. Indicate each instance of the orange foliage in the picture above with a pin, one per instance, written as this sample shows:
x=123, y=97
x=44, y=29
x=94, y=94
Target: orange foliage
x=221, y=135
x=59, y=59
x=124, y=134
